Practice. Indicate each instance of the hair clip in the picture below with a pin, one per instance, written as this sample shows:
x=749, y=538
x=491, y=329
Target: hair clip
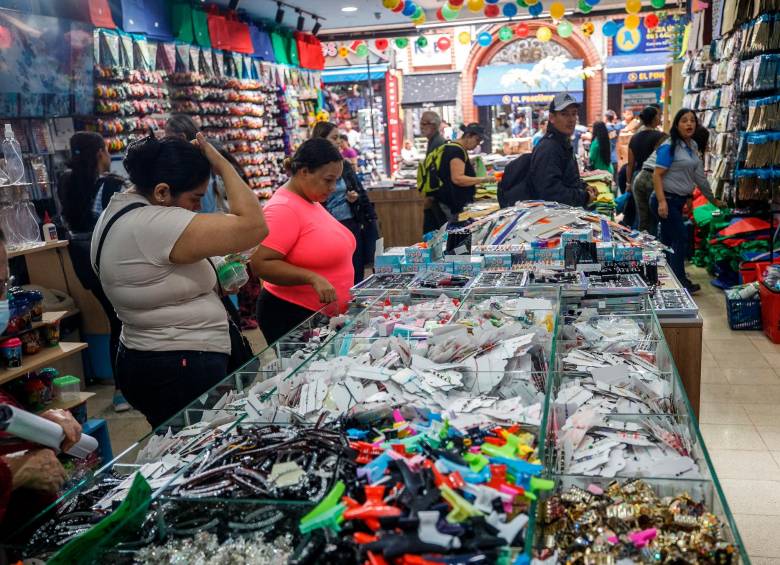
x=329, y=513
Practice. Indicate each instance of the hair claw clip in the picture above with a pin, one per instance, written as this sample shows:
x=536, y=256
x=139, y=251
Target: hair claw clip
x=373, y=508
x=452, y=480
x=374, y=470
x=366, y=451
x=446, y=466
x=476, y=461
x=508, y=530
x=327, y=514
x=429, y=533
x=641, y=539
x=461, y=508
x=484, y=497
x=374, y=559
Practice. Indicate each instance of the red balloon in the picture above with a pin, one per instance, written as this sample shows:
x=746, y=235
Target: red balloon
x=443, y=43
x=439, y=15
x=381, y=44
x=400, y=8
x=455, y=3
x=492, y=10
x=651, y=21
x=521, y=30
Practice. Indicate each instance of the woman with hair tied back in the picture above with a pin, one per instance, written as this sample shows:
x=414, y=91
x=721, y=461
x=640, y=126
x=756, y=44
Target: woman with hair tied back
x=150, y=251
x=306, y=261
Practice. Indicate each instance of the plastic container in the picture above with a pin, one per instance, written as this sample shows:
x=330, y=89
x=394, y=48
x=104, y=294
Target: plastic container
x=51, y=334
x=770, y=313
x=49, y=229
x=11, y=350
x=744, y=314
x=14, y=165
x=66, y=388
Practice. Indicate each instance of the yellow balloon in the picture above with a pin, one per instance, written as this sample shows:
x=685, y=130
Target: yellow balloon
x=588, y=28
x=343, y=52
x=633, y=6
x=632, y=21
x=390, y=4
x=557, y=10
x=464, y=38
x=420, y=20
x=476, y=5
x=544, y=34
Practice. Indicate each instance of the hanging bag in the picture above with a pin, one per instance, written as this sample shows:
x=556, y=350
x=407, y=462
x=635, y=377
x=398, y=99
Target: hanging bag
x=238, y=34
x=217, y=29
x=134, y=16
x=158, y=21
x=100, y=14
x=182, y=20
x=280, y=46
x=200, y=28
x=261, y=43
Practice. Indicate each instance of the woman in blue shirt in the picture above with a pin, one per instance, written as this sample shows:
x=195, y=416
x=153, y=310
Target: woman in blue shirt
x=350, y=205
x=678, y=171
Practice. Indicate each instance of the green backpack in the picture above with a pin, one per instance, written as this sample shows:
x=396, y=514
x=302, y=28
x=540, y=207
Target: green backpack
x=428, y=176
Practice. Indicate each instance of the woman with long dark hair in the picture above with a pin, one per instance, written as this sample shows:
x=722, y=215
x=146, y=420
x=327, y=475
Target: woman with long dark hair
x=350, y=205
x=678, y=171
x=600, y=153
x=85, y=189
x=640, y=181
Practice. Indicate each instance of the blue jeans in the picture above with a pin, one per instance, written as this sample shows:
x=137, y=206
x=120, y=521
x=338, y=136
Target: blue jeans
x=673, y=232
x=161, y=383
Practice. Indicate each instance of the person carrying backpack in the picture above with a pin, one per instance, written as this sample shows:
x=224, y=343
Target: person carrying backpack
x=448, y=176
x=553, y=173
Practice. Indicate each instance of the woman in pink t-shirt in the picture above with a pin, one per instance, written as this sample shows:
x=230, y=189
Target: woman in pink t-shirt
x=306, y=260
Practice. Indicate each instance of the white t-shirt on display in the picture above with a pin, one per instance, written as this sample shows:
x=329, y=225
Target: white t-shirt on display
x=163, y=306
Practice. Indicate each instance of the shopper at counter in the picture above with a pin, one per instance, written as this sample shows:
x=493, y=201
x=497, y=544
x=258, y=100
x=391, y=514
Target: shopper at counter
x=430, y=124
x=600, y=153
x=153, y=267
x=306, y=261
x=351, y=206
x=554, y=174
x=85, y=188
x=678, y=170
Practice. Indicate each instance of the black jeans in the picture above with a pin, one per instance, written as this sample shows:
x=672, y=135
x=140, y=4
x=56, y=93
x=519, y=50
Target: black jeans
x=161, y=383
x=276, y=317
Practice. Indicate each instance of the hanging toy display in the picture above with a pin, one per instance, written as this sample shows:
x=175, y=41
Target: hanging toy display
x=544, y=34
x=484, y=39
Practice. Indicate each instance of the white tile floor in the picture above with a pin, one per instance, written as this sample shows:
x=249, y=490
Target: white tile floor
x=740, y=421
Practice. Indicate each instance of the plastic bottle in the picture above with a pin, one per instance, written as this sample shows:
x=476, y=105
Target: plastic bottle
x=49, y=229
x=27, y=217
x=14, y=165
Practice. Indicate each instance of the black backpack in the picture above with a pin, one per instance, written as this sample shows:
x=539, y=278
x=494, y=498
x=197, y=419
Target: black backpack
x=514, y=186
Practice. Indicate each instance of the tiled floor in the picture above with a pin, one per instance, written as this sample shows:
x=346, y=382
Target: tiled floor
x=740, y=421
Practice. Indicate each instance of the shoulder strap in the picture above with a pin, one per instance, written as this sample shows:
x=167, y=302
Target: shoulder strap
x=108, y=227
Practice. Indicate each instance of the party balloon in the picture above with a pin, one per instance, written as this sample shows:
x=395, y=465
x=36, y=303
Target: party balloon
x=418, y=13
x=456, y=4
x=390, y=4
x=420, y=20
x=439, y=15
x=505, y=33
x=536, y=9
x=509, y=10
x=564, y=29
x=492, y=1
x=632, y=21
x=401, y=42
x=633, y=6
x=443, y=43
x=448, y=13
x=651, y=21
x=521, y=3
x=484, y=38
x=381, y=44
x=609, y=29
x=584, y=7
x=557, y=10
x=531, y=2
x=343, y=52
x=464, y=38
x=521, y=30
x=492, y=11
x=588, y=28
x=362, y=50
x=657, y=4
x=476, y=5
x=409, y=9
x=422, y=42
x=592, y=2
x=543, y=34
x=400, y=8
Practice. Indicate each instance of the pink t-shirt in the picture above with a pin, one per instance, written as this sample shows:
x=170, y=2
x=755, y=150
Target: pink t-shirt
x=310, y=238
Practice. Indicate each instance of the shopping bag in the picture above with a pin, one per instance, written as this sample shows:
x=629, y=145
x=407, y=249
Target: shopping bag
x=280, y=42
x=293, y=50
x=134, y=16
x=158, y=21
x=200, y=27
x=261, y=43
x=309, y=51
x=182, y=20
x=238, y=36
x=217, y=29
x=100, y=14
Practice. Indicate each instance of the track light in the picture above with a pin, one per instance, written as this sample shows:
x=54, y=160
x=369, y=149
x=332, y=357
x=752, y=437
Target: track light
x=279, y=13
x=299, y=25
x=317, y=25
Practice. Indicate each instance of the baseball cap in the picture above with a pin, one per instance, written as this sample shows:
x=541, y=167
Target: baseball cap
x=475, y=129
x=562, y=101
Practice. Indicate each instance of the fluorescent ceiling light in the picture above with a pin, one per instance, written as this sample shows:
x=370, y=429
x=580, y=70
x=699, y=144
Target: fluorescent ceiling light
x=349, y=9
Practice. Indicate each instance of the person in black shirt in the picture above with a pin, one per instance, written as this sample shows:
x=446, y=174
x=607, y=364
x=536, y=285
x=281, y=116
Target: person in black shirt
x=457, y=174
x=641, y=146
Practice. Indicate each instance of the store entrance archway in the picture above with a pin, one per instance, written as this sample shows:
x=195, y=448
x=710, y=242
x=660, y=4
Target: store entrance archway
x=578, y=46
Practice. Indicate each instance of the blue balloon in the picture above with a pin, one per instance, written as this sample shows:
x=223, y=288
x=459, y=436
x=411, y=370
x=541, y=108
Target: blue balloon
x=484, y=39
x=592, y=2
x=609, y=29
x=492, y=1
x=409, y=9
x=510, y=10
x=536, y=9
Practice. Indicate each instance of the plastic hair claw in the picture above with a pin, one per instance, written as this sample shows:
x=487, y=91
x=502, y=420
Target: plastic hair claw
x=328, y=513
x=519, y=442
x=492, y=450
x=446, y=466
x=476, y=461
x=366, y=451
x=453, y=480
x=499, y=482
x=461, y=508
x=522, y=559
x=484, y=496
x=641, y=539
x=375, y=470
x=374, y=559
x=353, y=433
x=509, y=530
x=428, y=532
x=518, y=466
x=372, y=509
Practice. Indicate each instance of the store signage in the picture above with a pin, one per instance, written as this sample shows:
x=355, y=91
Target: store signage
x=431, y=55
x=393, y=119
x=636, y=76
x=535, y=98
x=660, y=39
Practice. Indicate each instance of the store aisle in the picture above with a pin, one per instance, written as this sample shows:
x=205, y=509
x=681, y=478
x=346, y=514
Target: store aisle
x=740, y=421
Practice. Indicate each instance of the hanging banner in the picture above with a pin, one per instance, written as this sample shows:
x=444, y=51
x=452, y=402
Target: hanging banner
x=642, y=40
x=393, y=119
x=431, y=55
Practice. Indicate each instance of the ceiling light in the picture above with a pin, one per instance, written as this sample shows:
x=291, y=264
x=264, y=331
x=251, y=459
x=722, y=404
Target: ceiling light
x=299, y=25
x=279, y=13
x=349, y=9
x=317, y=25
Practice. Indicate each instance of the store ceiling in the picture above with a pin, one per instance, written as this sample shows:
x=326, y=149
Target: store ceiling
x=370, y=16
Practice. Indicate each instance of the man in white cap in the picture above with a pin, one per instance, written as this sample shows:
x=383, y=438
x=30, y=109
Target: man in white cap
x=554, y=174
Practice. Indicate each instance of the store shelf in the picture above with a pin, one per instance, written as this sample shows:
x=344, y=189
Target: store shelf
x=48, y=319
x=70, y=403
x=45, y=357
x=37, y=248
